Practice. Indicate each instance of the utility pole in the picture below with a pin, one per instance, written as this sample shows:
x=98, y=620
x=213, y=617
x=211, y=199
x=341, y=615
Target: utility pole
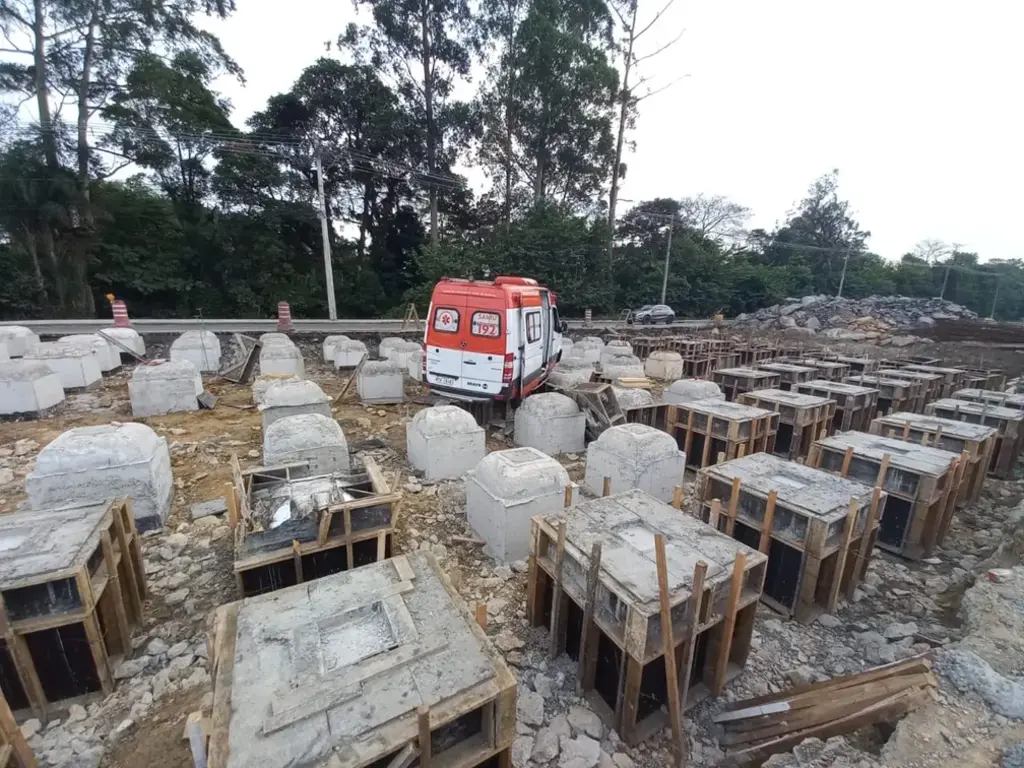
x=668, y=252
x=945, y=278
x=992, y=314
x=842, y=277
x=332, y=308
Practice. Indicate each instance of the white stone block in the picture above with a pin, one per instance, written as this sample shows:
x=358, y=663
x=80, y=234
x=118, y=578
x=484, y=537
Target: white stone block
x=309, y=437
x=274, y=337
x=94, y=464
x=664, y=365
x=347, y=354
x=168, y=387
x=261, y=384
x=78, y=368
x=570, y=371
x=615, y=348
x=505, y=490
x=629, y=397
x=589, y=348
x=330, y=343
x=415, y=365
x=689, y=390
x=282, y=360
x=388, y=344
x=130, y=338
x=623, y=366
x=444, y=442
x=18, y=339
x=381, y=381
x=290, y=398
x=201, y=348
x=29, y=388
x=4, y=354
x=635, y=456
x=109, y=356
x=567, y=345
x=550, y=422
x=402, y=353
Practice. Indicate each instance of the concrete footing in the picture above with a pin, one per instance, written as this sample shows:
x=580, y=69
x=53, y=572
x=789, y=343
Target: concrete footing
x=402, y=352
x=282, y=360
x=444, y=442
x=623, y=366
x=389, y=344
x=29, y=389
x=550, y=422
x=330, y=344
x=664, y=365
x=589, y=348
x=201, y=348
x=381, y=381
x=169, y=387
x=309, y=437
x=291, y=398
x=635, y=456
x=273, y=337
x=109, y=356
x=415, y=365
x=96, y=464
x=130, y=338
x=570, y=371
x=615, y=348
x=686, y=391
x=18, y=339
x=629, y=397
x=4, y=354
x=347, y=354
x=77, y=368
x=505, y=490
x=567, y=345
x=261, y=384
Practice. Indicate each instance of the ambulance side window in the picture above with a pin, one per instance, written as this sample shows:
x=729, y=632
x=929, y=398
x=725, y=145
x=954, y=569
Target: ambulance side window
x=532, y=327
x=446, y=320
x=555, y=322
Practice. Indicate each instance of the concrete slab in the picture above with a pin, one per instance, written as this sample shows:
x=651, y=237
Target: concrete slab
x=18, y=339
x=381, y=381
x=130, y=338
x=282, y=359
x=664, y=365
x=109, y=356
x=505, y=490
x=291, y=398
x=167, y=387
x=261, y=384
x=38, y=544
x=444, y=442
x=347, y=354
x=29, y=389
x=309, y=437
x=570, y=371
x=96, y=464
x=201, y=348
x=635, y=456
x=77, y=368
x=686, y=391
x=550, y=422
x=918, y=459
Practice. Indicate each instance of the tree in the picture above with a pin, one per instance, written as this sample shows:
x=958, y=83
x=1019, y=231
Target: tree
x=714, y=216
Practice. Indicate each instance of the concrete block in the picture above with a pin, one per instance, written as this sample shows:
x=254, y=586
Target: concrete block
x=388, y=344
x=168, y=387
x=4, y=354
x=381, y=381
x=109, y=356
x=615, y=348
x=415, y=365
x=347, y=354
x=686, y=391
x=290, y=398
x=623, y=366
x=402, y=353
x=130, y=338
x=589, y=348
x=28, y=388
x=94, y=464
x=261, y=384
x=309, y=437
x=18, y=339
x=505, y=490
x=330, y=343
x=567, y=345
x=444, y=442
x=664, y=365
x=272, y=338
x=550, y=422
x=201, y=348
x=635, y=456
x=282, y=359
x=77, y=368
x=570, y=371
x=629, y=397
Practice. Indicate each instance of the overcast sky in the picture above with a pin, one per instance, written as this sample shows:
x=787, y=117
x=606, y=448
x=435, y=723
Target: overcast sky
x=918, y=103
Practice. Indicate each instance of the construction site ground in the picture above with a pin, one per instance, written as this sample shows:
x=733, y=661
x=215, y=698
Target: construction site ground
x=944, y=606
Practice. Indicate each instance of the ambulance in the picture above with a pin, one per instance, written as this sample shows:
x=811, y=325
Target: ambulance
x=489, y=340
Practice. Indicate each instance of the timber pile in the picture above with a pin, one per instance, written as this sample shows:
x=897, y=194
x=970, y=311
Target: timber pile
x=756, y=729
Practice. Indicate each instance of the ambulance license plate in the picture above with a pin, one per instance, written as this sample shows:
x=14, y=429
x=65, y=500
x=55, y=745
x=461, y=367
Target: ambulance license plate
x=445, y=379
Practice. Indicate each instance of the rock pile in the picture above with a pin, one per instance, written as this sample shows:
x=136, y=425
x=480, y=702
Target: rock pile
x=870, y=319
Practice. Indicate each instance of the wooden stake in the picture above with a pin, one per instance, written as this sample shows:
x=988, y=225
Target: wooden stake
x=568, y=496
x=668, y=648
x=720, y=458
x=739, y=568
x=606, y=489
x=864, y=550
x=696, y=598
x=229, y=493
x=677, y=497
x=906, y=430
x=707, y=443
x=766, y=524
x=883, y=468
x=423, y=719
x=842, y=554
x=554, y=641
x=716, y=512
x=481, y=615
x=734, y=501
x=587, y=659
x=847, y=460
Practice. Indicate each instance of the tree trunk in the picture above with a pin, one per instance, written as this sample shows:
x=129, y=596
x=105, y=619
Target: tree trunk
x=42, y=86
x=624, y=100
x=84, y=83
x=509, y=89
x=32, y=246
x=428, y=106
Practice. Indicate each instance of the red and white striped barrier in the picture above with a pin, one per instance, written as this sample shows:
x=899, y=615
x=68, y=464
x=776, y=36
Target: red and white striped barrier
x=120, y=309
x=284, y=317
x=588, y=318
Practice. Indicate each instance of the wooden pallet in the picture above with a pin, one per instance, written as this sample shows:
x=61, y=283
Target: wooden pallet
x=894, y=393
x=1008, y=422
x=336, y=534
x=856, y=406
x=70, y=577
x=14, y=750
x=735, y=381
x=802, y=419
x=709, y=431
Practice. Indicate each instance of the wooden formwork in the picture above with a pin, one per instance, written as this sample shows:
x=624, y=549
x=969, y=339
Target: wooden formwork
x=829, y=370
x=1005, y=399
x=929, y=384
x=751, y=354
x=708, y=429
x=698, y=368
x=976, y=443
x=735, y=381
x=802, y=418
x=72, y=587
x=857, y=364
x=817, y=529
x=385, y=664
x=644, y=345
x=988, y=378
x=14, y=750
x=856, y=406
x=723, y=360
x=894, y=393
x=921, y=483
x=952, y=378
x=597, y=593
x=343, y=521
x=1008, y=423
x=790, y=374
x=655, y=415
x=922, y=360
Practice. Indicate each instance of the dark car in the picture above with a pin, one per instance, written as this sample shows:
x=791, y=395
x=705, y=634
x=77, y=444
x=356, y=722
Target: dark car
x=655, y=313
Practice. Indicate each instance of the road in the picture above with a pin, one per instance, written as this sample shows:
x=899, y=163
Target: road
x=146, y=325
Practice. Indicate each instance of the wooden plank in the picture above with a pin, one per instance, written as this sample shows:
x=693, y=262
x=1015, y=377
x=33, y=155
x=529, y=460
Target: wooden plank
x=739, y=568
x=480, y=614
x=766, y=524
x=734, y=501
x=405, y=758
x=232, y=499
x=847, y=459
x=668, y=647
x=707, y=443
x=352, y=378
x=842, y=554
x=606, y=487
x=426, y=748
x=715, y=513
x=555, y=641
x=864, y=550
x=588, y=655
x=116, y=595
x=99, y=652
x=700, y=572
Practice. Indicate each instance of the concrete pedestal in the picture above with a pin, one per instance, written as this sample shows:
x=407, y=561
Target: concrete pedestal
x=387, y=345
x=291, y=398
x=310, y=437
x=272, y=338
x=664, y=365
x=415, y=365
x=29, y=389
x=589, y=348
x=130, y=338
x=444, y=442
x=170, y=387
x=381, y=381
x=632, y=398
x=109, y=356
x=505, y=490
x=4, y=354
x=551, y=423
x=261, y=384
x=615, y=348
x=402, y=353
x=77, y=368
x=688, y=390
x=18, y=339
x=347, y=354
x=282, y=360
x=201, y=348
x=570, y=371
x=330, y=344
x=623, y=366
x=96, y=464
x=635, y=456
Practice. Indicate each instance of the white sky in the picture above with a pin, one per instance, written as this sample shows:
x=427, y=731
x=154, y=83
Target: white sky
x=916, y=102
